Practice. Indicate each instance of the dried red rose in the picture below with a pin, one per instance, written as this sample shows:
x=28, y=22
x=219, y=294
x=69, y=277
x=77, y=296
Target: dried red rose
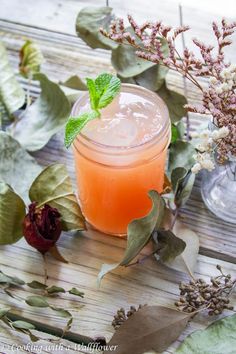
x=42, y=227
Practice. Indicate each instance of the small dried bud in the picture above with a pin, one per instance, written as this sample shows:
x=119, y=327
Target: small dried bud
x=42, y=227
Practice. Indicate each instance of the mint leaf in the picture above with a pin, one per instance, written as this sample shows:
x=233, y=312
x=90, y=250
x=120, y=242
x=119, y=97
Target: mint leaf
x=102, y=90
x=74, y=126
x=93, y=94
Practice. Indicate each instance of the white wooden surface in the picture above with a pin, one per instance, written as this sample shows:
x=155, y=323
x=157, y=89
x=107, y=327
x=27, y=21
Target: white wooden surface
x=51, y=23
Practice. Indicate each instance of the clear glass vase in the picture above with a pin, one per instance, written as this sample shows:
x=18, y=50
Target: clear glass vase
x=219, y=191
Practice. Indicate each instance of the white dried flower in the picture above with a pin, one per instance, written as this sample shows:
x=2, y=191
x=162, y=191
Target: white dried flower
x=201, y=147
x=218, y=89
x=195, y=135
x=213, y=80
x=223, y=132
x=232, y=68
x=225, y=73
x=196, y=168
x=207, y=164
x=225, y=87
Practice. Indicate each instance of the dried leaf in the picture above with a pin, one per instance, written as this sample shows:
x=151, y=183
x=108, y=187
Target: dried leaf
x=182, y=181
x=88, y=24
x=4, y=278
x=12, y=96
x=12, y=213
x=170, y=245
x=150, y=328
x=4, y=311
x=31, y=58
x=186, y=261
x=14, y=162
x=62, y=312
x=181, y=155
x=167, y=187
x=174, y=101
x=76, y=83
x=55, y=290
x=36, y=285
x=218, y=338
x=37, y=301
x=53, y=186
x=22, y=325
x=76, y=292
x=139, y=233
x=44, y=118
x=57, y=255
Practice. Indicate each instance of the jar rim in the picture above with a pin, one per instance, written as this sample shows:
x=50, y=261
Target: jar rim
x=84, y=139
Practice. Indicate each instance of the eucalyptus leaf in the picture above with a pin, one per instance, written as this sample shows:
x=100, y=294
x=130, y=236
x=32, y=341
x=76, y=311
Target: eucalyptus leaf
x=62, y=312
x=76, y=83
x=4, y=311
x=53, y=186
x=170, y=245
x=4, y=278
x=12, y=213
x=36, y=285
x=44, y=118
x=218, y=338
x=76, y=292
x=150, y=328
x=174, y=101
x=138, y=234
x=14, y=162
x=182, y=181
x=187, y=260
x=88, y=24
x=174, y=133
x=126, y=63
x=37, y=301
x=55, y=289
x=12, y=96
x=31, y=58
x=181, y=155
x=22, y=325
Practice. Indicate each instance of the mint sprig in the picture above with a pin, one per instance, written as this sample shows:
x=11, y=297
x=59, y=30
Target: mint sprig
x=102, y=91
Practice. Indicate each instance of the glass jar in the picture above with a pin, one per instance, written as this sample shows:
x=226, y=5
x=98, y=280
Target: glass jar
x=218, y=190
x=113, y=181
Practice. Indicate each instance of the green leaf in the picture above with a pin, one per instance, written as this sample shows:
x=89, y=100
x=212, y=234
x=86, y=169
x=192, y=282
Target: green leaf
x=138, y=234
x=74, y=126
x=76, y=292
x=36, y=301
x=174, y=101
x=88, y=24
x=36, y=285
x=17, y=167
x=75, y=82
x=218, y=338
x=182, y=182
x=181, y=155
x=12, y=213
x=31, y=58
x=107, y=87
x=140, y=230
x=4, y=278
x=12, y=96
x=174, y=133
x=61, y=311
x=53, y=186
x=127, y=64
x=55, y=289
x=4, y=311
x=22, y=325
x=44, y=118
x=170, y=245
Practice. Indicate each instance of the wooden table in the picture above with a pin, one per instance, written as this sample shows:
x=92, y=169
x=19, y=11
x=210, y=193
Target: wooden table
x=51, y=24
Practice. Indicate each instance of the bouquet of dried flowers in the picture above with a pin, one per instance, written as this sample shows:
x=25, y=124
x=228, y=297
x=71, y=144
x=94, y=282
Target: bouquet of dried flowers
x=218, y=98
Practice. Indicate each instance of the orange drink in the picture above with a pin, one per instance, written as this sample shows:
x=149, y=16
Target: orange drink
x=120, y=156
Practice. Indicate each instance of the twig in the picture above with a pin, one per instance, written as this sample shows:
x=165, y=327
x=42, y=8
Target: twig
x=45, y=269
x=54, y=331
x=184, y=78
